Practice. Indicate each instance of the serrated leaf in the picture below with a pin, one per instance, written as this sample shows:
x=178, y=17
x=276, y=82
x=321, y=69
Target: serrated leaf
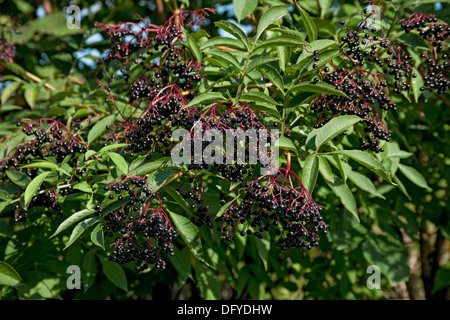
x=346, y=196
x=8, y=276
x=325, y=169
x=79, y=229
x=108, y=148
x=368, y=161
x=19, y=178
x=258, y=97
x=97, y=236
x=311, y=28
x=30, y=94
x=114, y=273
x=364, y=183
x=320, y=87
x=189, y=232
x=416, y=84
x=33, y=187
x=310, y=172
x=333, y=128
x=414, y=176
x=258, y=61
x=193, y=45
x=234, y=30
x=223, y=42
x=178, y=198
x=287, y=144
x=269, y=17
x=74, y=218
x=8, y=91
x=285, y=40
x=243, y=8
x=226, y=56
x=99, y=128
x=83, y=186
x=119, y=161
x=273, y=75
x=206, y=98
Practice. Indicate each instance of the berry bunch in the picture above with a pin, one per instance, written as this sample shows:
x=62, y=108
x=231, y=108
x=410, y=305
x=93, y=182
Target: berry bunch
x=7, y=48
x=51, y=139
x=274, y=202
x=365, y=92
x=232, y=166
x=154, y=53
x=143, y=229
x=435, y=61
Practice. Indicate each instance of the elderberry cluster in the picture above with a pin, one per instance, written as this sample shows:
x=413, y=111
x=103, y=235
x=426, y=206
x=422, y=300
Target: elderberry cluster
x=143, y=230
x=218, y=120
x=268, y=204
x=7, y=48
x=435, y=61
x=364, y=92
x=48, y=138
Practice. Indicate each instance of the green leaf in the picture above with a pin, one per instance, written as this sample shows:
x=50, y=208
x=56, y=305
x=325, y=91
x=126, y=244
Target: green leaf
x=224, y=42
x=234, y=30
x=273, y=75
x=30, y=94
x=258, y=61
x=100, y=127
x=97, y=236
x=258, y=97
x=226, y=56
x=263, y=247
x=206, y=98
x=189, y=232
x=33, y=187
x=19, y=178
x=284, y=54
x=243, y=8
x=178, y=198
x=311, y=28
x=8, y=276
x=195, y=49
x=74, y=218
x=320, y=87
x=110, y=147
x=344, y=193
x=325, y=169
x=119, y=161
x=286, y=143
x=401, y=186
x=416, y=84
x=115, y=274
x=285, y=40
x=333, y=128
x=368, y=161
x=269, y=108
x=442, y=278
x=8, y=91
x=270, y=16
x=310, y=172
x=79, y=229
x=224, y=208
x=207, y=282
x=389, y=254
x=414, y=176
x=364, y=183
x=83, y=186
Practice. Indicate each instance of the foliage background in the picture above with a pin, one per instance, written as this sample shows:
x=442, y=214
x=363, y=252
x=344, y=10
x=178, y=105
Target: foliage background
x=405, y=230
